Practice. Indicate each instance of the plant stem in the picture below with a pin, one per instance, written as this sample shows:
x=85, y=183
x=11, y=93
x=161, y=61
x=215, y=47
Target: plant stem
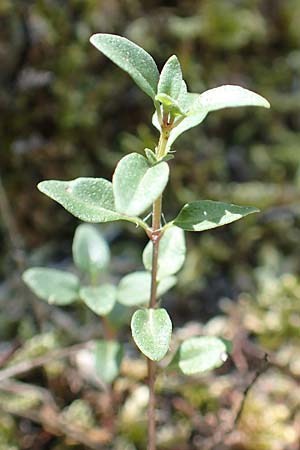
x=156, y=234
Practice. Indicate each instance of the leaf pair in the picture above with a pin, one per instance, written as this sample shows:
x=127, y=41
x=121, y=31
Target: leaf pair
x=136, y=185
x=168, y=88
x=91, y=255
x=195, y=107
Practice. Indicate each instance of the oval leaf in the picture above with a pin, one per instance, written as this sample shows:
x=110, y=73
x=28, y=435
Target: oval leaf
x=170, y=78
x=100, y=299
x=199, y=354
x=229, y=96
x=151, y=331
x=171, y=253
x=207, y=214
x=131, y=58
x=137, y=184
x=134, y=289
x=52, y=285
x=90, y=251
x=89, y=199
x=108, y=358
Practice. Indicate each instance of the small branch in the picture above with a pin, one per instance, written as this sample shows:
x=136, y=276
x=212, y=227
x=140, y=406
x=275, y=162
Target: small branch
x=155, y=236
x=259, y=372
x=26, y=366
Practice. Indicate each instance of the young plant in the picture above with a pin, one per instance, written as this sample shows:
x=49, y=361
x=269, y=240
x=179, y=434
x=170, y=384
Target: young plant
x=138, y=184
x=91, y=256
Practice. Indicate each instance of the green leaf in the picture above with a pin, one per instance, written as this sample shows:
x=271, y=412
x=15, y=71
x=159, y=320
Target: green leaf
x=134, y=289
x=150, y=156
x=100, y=299
x=90, y=251
x=170, y=105
x=171, y=253
x=152, y=330
x=52, y=285
x=197, y=106
x=170, y=78
x=182, y=95
x=137, y=184
x=108, y=358
x=131, y=58
x=89, y=199
x=228, y=96
x=200, y=354
x=207, y=214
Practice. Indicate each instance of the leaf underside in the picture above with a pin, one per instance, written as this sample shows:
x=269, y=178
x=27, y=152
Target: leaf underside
x=151, y=331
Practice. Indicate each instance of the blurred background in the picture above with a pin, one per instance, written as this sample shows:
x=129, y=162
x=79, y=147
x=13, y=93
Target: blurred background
x=66, y=111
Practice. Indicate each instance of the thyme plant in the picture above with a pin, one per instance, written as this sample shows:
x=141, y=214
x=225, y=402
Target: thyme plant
x=138, y=184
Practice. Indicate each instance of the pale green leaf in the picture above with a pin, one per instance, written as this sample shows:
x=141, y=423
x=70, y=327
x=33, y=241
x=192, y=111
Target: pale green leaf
x=89, y=199
x=170, y=78
x=150, y=156
x=206, y=214
x=90, y=251
x=182, y=98
x=200, y=354
x=52, y=285
x=108, y=358
x=137, y=184
x=131, y=58
x=152, y=330
x=170, y=104
x=171, y=253
x=100, y=299
x=134, y=289
x=229, y=96
x=197, y=106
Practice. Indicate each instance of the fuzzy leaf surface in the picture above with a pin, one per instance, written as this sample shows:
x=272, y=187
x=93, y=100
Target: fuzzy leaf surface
x=137, y=184
x=206, y=214
x=134, y=288
x=90, y=251
x=131, y=58
x=100, y=299
x=229, y=96
x=200, y=354
x=152, y=330
x=89, y=199
x=170, y=78
x=171, y=254
x=108, y=358
x=54, y=286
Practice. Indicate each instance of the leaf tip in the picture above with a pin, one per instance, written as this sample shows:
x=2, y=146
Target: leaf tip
x=41, y=186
